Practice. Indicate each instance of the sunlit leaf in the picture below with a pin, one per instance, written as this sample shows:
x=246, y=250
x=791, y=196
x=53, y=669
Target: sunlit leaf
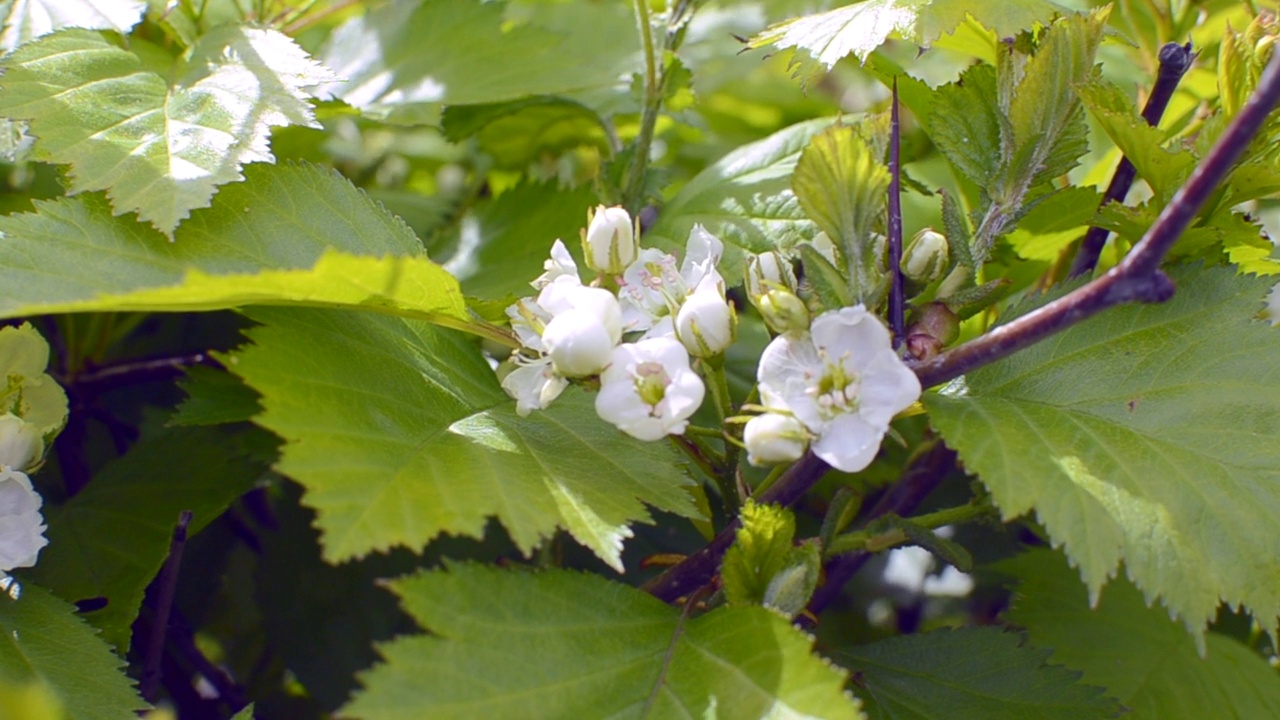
x=561, y=644
x=1145, y=435
x=159, y=139
x=25, y=20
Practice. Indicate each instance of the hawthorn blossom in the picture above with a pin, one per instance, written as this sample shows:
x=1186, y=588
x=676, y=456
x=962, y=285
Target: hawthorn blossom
x=21, y=525
x=649, y=391
x=653, y=288
x=706, y=323
x=774, y=437
x=609, y=242
x=842, y=381
x=20, y=443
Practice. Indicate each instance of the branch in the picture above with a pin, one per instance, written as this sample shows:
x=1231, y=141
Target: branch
x=132, y=372
x=897, y=300
x=1175, y=60
x=1137, y=277
x=167, y=586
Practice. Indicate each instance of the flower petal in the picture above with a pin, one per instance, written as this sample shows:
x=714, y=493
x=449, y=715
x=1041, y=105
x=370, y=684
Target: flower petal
x=851, y=334
x=888, y=388
x=849, y=443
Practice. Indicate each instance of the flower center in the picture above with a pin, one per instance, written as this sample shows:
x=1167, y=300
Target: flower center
x=651, y=382
x=837, y=390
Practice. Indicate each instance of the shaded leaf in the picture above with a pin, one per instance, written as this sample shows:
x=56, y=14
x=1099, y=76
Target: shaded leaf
x=970, y=674
x=560, y=644
x=110, y=540
x=158, y=149
x=520, y=132
x=400, y=432
x=1146, y=661
x=964, y=123
x=42, y=641
x=214, y=397
x=1146, y=434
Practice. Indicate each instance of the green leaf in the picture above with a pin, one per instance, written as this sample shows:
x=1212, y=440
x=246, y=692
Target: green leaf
x=861, y=27
x=841, y=184
x=282, y=218
x=502, y=245
x=28, y=391
x=969, y=674
x=1164, y=169
x=744, y=198
x=110, y=540
x=760, y=550
x=1146, y=661
x=214, y=397
x=964, y=122
x=44, y=642
x=158, y=139
x=1045, y=116
x=1054, y=223
x=560, y=644
x=404, y=61
x=25, y=20
x=400, y=432
x=1146, y=434
x=520, y=132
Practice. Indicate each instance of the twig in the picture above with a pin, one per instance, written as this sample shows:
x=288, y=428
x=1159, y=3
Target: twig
x=1175, y=60
x=1137, y=277
x=897, y=294
x=132, y=372
x=920, y=478
x=168, y=585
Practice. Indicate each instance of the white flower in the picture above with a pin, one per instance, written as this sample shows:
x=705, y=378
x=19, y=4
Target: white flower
x=533, y=383
x=774, y=438
x=559, y=265
x=652, y=287
x=706, y=322
x=648, y=391
x=609, y=242
x=21, y=526
x=20, y=442
x=842, y=380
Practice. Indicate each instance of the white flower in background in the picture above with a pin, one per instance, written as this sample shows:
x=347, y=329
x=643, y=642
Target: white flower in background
x=706, y=323
x=1273, y=306
x=21, y=526
x=609, y=242
x=649, y=391
x=559, y=265
x=842, y=380
x=823, y=243
x=773, y=438
x=652, y=287
x=20, y=443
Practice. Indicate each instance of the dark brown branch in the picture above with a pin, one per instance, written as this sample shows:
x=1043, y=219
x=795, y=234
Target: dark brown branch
x=1175, y=60
x=167, y=586
x=132, y=372
x=920, y=478
x=897, y=294
x=1137, y=278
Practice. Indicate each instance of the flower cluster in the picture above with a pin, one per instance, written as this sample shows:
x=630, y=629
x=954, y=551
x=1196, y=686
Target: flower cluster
x=21, y=525
x=572, y=330
x=838, y=383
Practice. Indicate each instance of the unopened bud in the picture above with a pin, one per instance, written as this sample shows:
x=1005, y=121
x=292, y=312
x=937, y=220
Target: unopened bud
x=609, y=244
x=706, y=324
x=925, y=258
x=768, y=271
x=783, y=311
x=935, y=328
x=774, y=438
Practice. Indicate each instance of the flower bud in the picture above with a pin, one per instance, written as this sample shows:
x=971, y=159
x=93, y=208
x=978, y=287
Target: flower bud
x=609, y=243
x=706, y=323
x=20, y=442
x=925, y=258
x=783, y=311
x=578, y=343
x=21, y=525
x=774, y=438
x=768, y=271
x=935, y=327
